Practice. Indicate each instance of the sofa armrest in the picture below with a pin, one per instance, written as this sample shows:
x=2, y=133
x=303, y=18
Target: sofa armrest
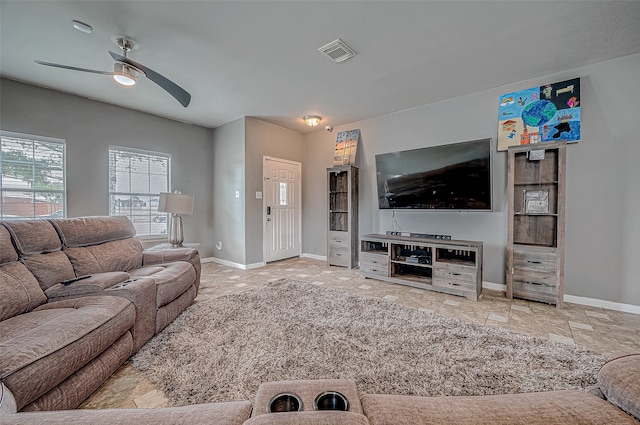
x=169, y=255
x=142, y=293
x=93, y=285
x=190, y=255
x=619, y=381
x=325, y=417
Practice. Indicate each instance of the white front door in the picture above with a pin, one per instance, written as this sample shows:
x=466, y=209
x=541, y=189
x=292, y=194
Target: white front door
x=281, y=208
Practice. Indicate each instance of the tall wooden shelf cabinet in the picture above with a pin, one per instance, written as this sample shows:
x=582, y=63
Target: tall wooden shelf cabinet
x=342, y=235
x=535, y=235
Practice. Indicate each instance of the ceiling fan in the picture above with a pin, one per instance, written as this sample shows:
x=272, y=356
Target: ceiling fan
x=125, y=70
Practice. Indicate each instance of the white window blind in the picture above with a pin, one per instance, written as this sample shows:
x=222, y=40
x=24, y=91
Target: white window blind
x=33, y=176
x=136, y=179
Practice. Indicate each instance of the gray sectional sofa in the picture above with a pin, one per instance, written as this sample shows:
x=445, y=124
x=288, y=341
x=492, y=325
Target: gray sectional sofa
x=616, y=400
x=61, y=337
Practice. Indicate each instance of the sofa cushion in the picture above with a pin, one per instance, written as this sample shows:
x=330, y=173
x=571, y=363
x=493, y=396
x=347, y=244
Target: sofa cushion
x=7, y=252
x=40, y=349
x=122, y=255
x=49, y=269
x=172, y=279
x=619, y=381
x=85, y=231
x=33, y=236
x=71, y=392
x=95, y=283
x=19, y=290
x=569, y=407
x=229, y=413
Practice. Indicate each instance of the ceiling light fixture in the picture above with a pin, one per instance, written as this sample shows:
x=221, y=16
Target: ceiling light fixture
x=81, y=26
x=311, y=120
x=124, y=74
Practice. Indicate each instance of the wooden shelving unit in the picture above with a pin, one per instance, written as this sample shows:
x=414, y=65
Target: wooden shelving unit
x=342, y=234
x=535, y=236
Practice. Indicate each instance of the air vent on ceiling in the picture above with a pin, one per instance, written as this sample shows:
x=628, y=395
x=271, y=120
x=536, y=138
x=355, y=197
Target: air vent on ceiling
x=338, y=51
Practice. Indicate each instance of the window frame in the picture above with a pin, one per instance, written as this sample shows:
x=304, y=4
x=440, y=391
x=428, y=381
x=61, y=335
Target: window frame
x=33, y=190
x=148, y=153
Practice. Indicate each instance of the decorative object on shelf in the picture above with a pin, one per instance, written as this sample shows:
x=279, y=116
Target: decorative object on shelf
x=177, y=204
x=342, y=235
x=535, y=234
x=346, y=148
x=311, y=120
x=536, y=201
x=547, y=113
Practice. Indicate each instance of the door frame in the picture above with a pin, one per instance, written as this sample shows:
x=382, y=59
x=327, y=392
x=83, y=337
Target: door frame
x=266, y=158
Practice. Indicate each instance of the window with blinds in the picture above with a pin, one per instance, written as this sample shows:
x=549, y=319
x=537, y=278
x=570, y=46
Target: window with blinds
x=33, y=177
x=136, y=179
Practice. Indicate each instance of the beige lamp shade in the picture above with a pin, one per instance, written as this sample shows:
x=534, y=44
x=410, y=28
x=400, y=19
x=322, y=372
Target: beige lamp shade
x=175, y=203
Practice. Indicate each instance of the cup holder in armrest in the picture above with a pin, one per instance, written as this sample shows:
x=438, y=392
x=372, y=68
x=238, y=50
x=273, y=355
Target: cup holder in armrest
x=285, y=402
x=331, y=400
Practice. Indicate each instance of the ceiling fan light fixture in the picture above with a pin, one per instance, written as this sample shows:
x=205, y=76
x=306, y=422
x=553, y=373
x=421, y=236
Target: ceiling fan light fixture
x=81, y=26
x=311, y=120
x=124, y=74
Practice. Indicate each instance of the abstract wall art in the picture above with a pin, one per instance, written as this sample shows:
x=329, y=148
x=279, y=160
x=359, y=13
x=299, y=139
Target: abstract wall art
x=547, y=113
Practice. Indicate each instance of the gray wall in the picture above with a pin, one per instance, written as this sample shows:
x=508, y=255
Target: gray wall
x=239, y=148
x=89, y=127
x=228, y=164
x=603, y=196
x=263, y=139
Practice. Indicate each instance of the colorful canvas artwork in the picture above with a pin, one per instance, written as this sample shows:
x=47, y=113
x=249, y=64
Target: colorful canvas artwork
x=547, y=113
x=346, y=147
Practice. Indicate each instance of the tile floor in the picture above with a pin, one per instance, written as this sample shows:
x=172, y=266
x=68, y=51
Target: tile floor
x=608, y=332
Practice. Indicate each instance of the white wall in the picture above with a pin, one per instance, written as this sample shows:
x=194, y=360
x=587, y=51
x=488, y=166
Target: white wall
x=89, y=127
x=602, y=230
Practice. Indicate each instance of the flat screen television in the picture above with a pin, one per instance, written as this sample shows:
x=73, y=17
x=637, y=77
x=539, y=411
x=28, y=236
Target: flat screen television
x=454, y=177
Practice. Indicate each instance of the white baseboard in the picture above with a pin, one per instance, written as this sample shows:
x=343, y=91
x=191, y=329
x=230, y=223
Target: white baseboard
x=314, y=256
x=208, y=260
x=609, y=305
x=232, y=264
x=592, y=302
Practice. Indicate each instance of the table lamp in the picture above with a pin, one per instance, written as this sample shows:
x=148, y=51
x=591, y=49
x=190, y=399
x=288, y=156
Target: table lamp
x=177, y=204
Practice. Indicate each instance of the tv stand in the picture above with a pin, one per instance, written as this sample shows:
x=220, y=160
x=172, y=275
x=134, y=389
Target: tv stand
x=449, y=266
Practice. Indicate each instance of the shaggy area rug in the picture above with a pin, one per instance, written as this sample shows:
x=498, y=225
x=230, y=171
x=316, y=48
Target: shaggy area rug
x=223, y=349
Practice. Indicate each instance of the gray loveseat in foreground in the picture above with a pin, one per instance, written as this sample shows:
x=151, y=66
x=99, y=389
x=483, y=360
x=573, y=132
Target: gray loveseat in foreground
x=61, y=338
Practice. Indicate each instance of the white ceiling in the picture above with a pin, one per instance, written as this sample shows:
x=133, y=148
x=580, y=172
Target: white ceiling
x=260, y=58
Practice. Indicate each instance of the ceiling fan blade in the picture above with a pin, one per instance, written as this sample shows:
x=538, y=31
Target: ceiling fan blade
x=73, y=68
x=172, y=88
